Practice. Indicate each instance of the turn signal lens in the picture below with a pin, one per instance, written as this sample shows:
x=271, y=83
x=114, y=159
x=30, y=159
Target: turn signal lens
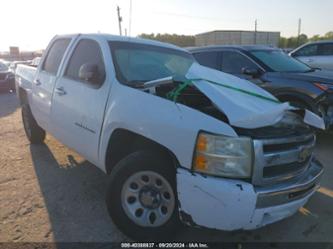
x=200, y=162
x=201, y=143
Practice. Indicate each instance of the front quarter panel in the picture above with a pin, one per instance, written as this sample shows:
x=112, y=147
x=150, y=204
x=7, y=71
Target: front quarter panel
x=172, y=125
x=277, y=84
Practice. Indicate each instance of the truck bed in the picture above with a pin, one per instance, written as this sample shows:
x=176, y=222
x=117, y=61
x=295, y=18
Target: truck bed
x=24, y=75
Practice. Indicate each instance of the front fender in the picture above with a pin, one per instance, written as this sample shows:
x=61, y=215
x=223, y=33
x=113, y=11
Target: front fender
x=172, y=125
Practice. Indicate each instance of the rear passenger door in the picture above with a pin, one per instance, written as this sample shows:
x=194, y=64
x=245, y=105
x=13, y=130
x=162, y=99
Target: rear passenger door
x=79, y=104
x=43, y=84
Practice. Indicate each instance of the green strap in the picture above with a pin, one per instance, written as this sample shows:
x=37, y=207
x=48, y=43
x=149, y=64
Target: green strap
x=173, y=95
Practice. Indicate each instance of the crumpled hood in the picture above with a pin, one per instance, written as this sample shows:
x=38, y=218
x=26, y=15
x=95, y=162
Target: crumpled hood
x=243, y=110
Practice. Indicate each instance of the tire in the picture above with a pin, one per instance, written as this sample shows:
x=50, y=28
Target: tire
x=33, y=131
x=141, y=197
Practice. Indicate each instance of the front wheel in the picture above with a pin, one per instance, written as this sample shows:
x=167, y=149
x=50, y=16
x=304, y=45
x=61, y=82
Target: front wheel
x=141, y=197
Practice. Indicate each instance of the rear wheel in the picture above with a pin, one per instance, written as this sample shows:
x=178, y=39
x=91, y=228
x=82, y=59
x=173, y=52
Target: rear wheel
x=141, y=197
x=33, y=131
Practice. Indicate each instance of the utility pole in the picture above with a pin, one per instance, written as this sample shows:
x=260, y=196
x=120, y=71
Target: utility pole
x=255, y=31
x=130, y=19
x=299, y=30
x=119, y=20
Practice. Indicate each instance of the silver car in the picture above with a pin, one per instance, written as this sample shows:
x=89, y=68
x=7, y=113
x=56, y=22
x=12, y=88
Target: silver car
x=315, y=54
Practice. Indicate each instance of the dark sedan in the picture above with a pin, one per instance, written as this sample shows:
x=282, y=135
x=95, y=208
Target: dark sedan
x=7, y=78
x=272, y=69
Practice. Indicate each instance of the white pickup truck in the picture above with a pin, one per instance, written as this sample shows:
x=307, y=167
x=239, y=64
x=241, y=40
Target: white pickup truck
x=181, y=142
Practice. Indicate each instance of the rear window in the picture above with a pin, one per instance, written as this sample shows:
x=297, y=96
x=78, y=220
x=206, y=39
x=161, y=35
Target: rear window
x=54, y=56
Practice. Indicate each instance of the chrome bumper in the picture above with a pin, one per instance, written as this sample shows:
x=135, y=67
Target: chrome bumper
x=293, y=190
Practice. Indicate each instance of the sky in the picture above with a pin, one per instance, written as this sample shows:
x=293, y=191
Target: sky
x=30, y=24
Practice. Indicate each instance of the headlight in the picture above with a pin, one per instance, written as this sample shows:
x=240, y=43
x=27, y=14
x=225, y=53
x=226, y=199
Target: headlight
x=223, y=156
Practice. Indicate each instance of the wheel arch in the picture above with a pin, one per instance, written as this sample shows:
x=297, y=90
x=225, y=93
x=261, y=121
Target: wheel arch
x=123, y=142
x=289, y=95
x=23, y=96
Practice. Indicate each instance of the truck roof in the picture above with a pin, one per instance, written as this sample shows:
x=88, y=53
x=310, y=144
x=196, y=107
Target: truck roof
x=234, y=47
x=110, y=37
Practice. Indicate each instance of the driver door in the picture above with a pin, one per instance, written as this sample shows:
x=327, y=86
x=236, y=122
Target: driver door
x=78, y=105
x=234, y=62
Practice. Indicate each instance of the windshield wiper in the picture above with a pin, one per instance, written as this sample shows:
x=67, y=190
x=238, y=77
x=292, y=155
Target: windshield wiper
x=135, y=83
x=313, y=69
x=143, y=84
x=158, y=82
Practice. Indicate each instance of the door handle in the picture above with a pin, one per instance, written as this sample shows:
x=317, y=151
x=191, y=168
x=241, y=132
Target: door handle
x=60, y=91
x=38, y=82
x=309, y=60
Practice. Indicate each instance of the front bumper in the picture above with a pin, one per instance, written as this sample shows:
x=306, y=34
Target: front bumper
x=227, y=204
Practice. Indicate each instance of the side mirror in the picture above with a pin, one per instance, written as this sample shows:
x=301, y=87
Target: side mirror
x=251, y=71
x=89, y=72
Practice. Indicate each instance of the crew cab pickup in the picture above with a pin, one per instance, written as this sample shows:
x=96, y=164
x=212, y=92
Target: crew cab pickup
x=180, y=141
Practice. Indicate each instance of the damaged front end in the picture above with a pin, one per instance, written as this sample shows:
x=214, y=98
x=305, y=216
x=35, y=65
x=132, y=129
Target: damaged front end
x=264, y=175
x=284, y=175
x=325, y=107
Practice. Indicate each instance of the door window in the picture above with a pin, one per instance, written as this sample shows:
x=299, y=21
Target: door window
x=86, y=52
x=209, y=59
x=234, y=62
x=54, y=56
x=310, y=50
x=325, y=49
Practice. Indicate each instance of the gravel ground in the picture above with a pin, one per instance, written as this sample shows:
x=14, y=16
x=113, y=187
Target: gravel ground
x=48, y=193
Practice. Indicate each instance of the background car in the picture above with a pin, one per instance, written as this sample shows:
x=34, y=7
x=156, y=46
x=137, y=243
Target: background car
x=14, y=64
x=272, y=69
x=7, y=78
x=35, y=62
x=315, y=54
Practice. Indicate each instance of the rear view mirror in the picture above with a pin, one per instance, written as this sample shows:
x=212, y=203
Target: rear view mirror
x=89, y=72
x=251, y=71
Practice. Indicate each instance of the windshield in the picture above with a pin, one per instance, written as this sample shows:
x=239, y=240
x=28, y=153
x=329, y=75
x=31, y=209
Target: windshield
x=279, y=61
x=3, y=67
x=136, y=62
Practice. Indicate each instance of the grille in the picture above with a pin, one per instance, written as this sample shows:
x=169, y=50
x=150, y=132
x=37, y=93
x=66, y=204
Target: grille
x=281, y=159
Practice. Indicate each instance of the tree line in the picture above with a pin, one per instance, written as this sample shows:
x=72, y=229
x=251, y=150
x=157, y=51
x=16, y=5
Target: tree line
x=189, y=40
x=293, y=42
x=179, y=40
